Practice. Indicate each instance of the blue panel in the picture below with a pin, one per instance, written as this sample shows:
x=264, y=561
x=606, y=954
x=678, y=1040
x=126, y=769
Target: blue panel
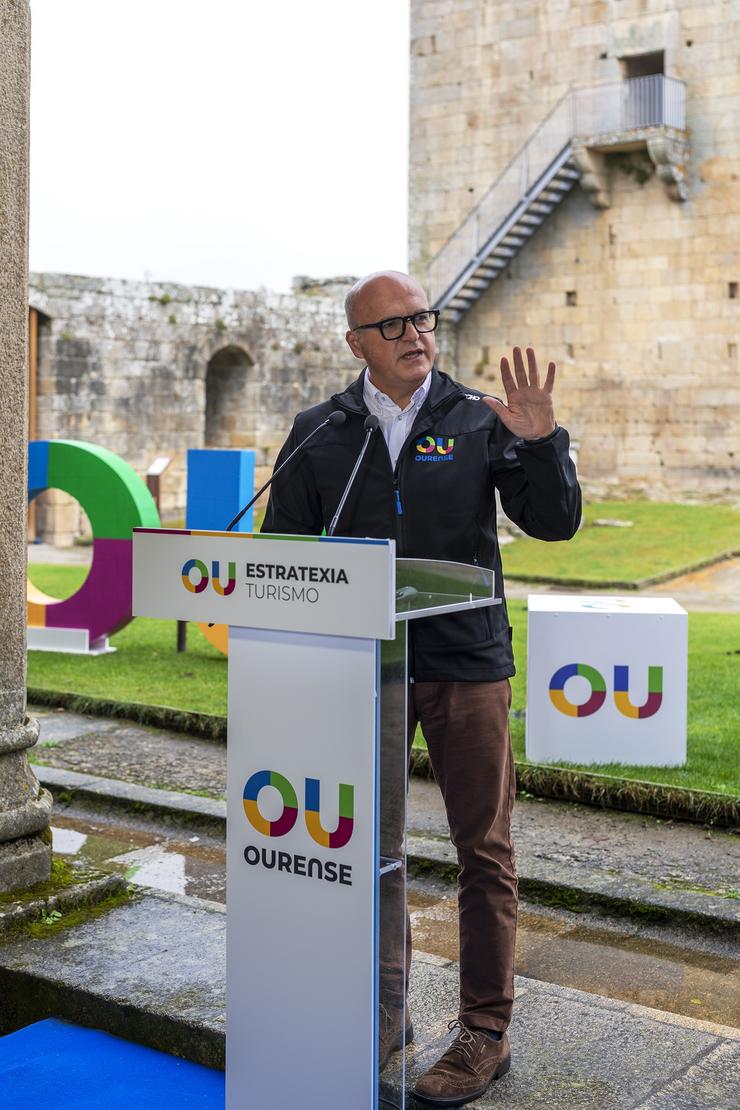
x=219, y=484
x=67, y=1067
x=313, y=795
x=255, y=783
x=621, y=679
x=38, y=467
x=561, y=676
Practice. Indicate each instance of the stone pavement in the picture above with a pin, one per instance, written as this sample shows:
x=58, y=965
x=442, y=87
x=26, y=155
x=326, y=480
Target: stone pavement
x=714, y=589
x=615, y=859
x=128, y=971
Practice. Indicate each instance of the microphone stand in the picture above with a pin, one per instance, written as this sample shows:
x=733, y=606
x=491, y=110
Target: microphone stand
x=371, y=424
x=334, y=420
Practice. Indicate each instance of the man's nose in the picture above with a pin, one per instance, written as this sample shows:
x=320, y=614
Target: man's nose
x=410, y=330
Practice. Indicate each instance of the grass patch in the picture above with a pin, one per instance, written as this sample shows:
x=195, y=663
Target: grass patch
x=664, y=540
x=57, y=920
x=147, y=669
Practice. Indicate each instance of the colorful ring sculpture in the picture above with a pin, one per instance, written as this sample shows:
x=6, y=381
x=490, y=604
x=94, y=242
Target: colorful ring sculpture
x=116, y=501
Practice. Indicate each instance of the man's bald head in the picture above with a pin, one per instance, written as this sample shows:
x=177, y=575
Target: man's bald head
x=397, y=367
x=367, y=289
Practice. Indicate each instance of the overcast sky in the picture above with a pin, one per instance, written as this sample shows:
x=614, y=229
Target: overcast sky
x=228, y=143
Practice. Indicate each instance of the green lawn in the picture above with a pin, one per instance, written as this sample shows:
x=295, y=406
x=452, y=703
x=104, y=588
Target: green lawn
x=147, y=668
x=664, y=538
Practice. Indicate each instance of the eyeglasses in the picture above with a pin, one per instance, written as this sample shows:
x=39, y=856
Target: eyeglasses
x=395, y=326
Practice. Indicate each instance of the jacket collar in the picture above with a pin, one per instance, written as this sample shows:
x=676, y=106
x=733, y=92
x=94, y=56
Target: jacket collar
x=443, y=391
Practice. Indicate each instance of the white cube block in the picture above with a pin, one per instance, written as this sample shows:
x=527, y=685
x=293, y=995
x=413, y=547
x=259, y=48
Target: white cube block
x=606, y=680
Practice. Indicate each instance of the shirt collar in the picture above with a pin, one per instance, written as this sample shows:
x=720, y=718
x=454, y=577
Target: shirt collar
x=375, y=400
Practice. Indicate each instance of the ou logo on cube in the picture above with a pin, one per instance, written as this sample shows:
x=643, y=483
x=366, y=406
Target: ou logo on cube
x=597, y=697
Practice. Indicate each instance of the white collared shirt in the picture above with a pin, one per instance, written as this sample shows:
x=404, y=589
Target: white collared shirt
x=395, y=423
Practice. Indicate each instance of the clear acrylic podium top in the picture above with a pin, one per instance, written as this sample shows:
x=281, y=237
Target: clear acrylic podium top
x=429, y=587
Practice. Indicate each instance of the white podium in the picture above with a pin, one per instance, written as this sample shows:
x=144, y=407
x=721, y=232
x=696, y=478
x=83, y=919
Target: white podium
x=606, y=680
x=316, y=793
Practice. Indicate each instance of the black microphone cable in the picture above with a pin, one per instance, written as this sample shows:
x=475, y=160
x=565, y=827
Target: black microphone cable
x=371, y=425
x=336, y=419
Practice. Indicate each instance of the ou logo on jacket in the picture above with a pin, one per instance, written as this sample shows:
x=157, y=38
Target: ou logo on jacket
x=312, y=816
x=200, y=568
x=597, y=696
x=443, y=445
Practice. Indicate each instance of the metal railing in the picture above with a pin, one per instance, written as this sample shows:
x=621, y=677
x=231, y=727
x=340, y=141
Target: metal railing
x=638, y=102
x=602, y=111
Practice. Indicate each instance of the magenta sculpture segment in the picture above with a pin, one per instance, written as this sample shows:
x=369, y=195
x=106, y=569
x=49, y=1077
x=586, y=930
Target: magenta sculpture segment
x=116, y=501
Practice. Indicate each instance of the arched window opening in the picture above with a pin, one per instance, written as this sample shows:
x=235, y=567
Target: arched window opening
x=229, y=404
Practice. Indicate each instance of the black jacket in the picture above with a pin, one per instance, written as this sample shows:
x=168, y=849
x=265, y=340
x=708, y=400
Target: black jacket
x=447, y=506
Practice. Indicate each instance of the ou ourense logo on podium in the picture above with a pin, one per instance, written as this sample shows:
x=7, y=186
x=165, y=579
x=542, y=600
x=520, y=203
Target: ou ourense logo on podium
x=606, y=680
x=281, y=818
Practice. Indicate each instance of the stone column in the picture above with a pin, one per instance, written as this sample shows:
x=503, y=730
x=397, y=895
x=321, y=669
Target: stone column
x=25, y=842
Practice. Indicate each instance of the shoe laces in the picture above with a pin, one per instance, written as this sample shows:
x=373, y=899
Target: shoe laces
x=464, y=1043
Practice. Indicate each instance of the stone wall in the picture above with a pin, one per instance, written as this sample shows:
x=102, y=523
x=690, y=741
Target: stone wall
x=149, y=369
x=647, y=341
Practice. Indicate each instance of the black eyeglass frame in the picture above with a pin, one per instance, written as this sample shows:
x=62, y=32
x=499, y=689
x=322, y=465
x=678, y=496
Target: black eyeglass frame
x=411, y=319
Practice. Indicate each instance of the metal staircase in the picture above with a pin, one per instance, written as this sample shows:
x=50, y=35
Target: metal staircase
x=623, y=115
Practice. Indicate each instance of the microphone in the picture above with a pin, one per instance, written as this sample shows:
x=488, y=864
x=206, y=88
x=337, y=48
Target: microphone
x=371, y=424
x=335, y=420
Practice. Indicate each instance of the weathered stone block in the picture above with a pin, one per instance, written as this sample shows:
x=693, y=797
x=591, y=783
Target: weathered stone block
x=24, y=862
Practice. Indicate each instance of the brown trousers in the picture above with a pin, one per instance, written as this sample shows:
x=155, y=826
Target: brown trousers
x=466, y=727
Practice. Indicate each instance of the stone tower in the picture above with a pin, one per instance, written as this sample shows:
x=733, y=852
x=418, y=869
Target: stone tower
x=574, y=185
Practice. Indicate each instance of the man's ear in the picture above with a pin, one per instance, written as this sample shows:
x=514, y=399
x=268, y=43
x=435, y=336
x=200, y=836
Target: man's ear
x=353, y=345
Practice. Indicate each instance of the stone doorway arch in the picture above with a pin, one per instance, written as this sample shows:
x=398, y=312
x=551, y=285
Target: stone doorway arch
x=230, y=399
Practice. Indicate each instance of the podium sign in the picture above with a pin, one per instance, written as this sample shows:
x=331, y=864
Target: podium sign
x=318, y=584
x=301, y=870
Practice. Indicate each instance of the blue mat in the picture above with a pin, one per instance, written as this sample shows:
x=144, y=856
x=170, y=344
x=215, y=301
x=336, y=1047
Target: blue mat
x=55, y=1066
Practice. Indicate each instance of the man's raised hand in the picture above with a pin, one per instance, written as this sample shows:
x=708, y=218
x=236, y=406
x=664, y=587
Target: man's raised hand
x=528, y=412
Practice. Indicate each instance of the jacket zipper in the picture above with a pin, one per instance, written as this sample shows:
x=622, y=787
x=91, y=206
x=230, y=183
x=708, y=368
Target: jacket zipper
x=400, y=515
x=399, y=506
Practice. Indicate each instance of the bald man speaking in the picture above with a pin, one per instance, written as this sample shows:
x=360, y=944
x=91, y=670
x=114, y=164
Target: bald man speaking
x=459, y=664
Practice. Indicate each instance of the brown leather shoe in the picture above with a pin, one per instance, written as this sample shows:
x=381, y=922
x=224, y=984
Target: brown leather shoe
x=390, y=1037
x=472, y=1061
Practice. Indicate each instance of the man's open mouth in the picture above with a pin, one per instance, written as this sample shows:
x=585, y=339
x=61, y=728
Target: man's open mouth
x=413, y=354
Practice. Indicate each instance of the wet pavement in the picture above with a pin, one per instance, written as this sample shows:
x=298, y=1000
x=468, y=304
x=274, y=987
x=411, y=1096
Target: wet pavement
x=680, y=972
x=649, y=966
x=145, y=854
